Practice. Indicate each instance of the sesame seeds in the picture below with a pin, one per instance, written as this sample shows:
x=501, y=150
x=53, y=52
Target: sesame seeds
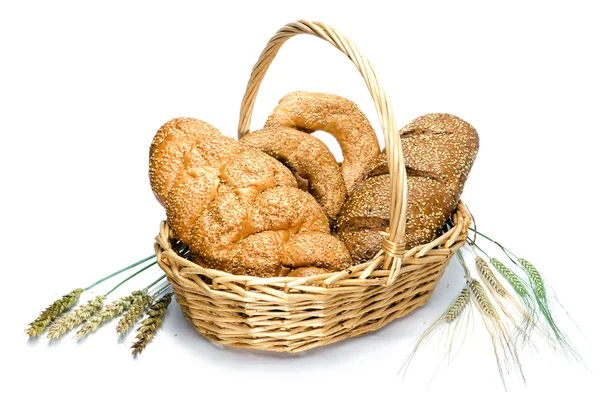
x=439, y=150
x=235, y=206
x=338, y=116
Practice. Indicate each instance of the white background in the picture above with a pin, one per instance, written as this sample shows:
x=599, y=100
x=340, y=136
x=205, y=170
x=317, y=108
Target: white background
x=83, y=89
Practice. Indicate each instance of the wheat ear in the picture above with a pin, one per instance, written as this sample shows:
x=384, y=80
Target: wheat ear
x=135, y=312
x=150, y=325
x=518, y=285
x=488, y=276
x=458, y=306
x=452, y=318
x=75, y=317
x=505, y=301
x=539, y=290
x=525, y=297
x=53, y=311
x=109, y=313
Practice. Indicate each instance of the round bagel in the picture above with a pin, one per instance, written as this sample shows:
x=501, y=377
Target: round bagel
x=338, y=116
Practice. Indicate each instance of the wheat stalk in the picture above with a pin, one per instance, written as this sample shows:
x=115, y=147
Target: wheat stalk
x=536, y=280
x=504, y=349
x=150, y=325
x=75, y=318
x=512, y=278
x=458, y=306
x=507, y=304
x=562, y=341
x=53, y=311
x=138, y=307
x=482, y=300
x=522, y=289
x=489, y=278
x=111, y=311
x=452, y=320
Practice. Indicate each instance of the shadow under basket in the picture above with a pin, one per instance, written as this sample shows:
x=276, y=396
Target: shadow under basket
x=289, y=314
x=296, y=314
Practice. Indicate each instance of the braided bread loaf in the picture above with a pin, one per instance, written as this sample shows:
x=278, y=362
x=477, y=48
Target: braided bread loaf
x=238, y=209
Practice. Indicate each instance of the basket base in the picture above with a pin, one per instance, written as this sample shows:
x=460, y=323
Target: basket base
x=297, y=314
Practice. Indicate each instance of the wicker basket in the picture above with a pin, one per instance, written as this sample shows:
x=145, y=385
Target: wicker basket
x=295, y=314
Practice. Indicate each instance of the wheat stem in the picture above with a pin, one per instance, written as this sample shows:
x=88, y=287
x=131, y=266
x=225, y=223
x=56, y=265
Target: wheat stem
x=130, y=277
x=120, y=271
x=155, y=282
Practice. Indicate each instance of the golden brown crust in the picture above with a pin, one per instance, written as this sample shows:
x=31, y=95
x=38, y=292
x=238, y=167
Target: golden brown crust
x=315, y=249
x=189, y=143
x=439, y=150
x=307, y=157
x=287, y=209
x=192, y=191
x=236, y=207
x=363, y=243
x=307, y=271
x=310, y=112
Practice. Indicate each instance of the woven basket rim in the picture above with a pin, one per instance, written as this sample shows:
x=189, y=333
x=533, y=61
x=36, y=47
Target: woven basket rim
x=460, y=222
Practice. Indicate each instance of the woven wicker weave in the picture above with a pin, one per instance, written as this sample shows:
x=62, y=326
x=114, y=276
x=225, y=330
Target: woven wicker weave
x=296, y=314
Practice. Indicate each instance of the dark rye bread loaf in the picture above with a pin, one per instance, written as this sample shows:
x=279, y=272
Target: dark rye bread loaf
x=439, y=151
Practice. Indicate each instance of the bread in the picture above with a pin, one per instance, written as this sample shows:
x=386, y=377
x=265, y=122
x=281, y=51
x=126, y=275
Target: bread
x=310, y=112
x=237, y=208
x=439, y=151
x=309, y=159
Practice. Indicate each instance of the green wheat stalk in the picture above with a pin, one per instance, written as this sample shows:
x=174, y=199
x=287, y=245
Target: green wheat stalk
x=539, y=289
x=509, y=306
x=518, y=284
x=53, y=311
x=523, y=290
x=539, y=300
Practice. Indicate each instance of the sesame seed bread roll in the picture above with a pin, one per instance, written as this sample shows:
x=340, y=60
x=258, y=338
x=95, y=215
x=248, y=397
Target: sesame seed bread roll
x=439, y=151
x=309, y=158
x=238, y=209
x=338, y=116
x=185, y=141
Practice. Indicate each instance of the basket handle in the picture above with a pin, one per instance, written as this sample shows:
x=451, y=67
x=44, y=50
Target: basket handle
x=395, y=244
